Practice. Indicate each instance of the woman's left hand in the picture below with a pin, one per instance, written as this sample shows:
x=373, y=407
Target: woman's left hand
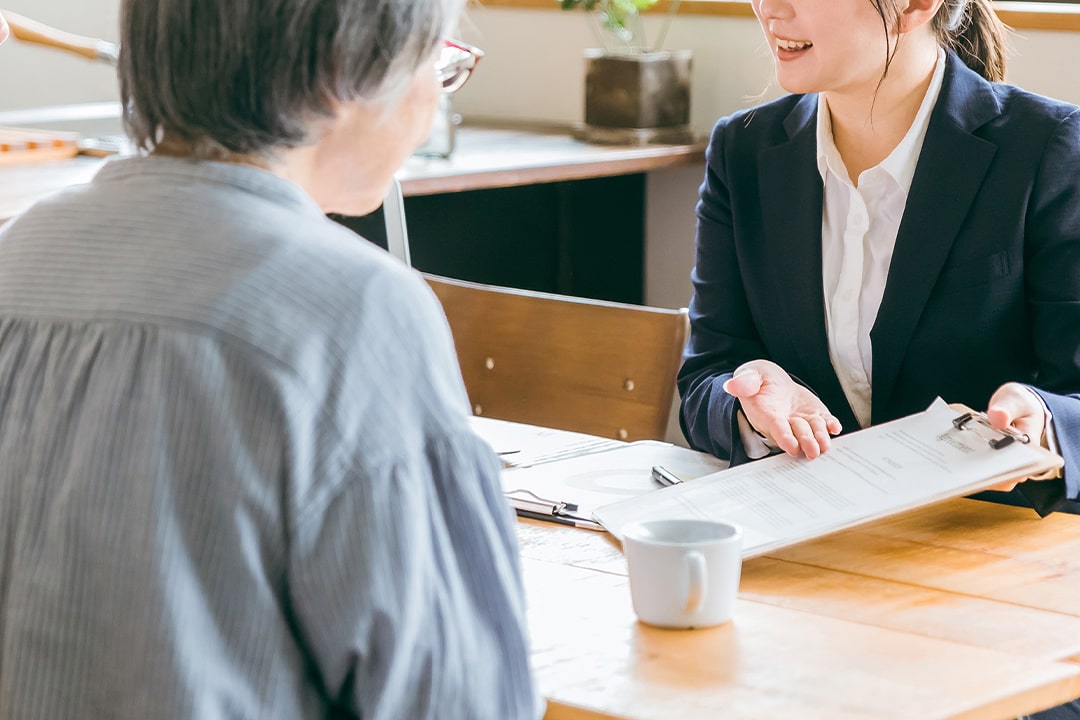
x=1014, y=405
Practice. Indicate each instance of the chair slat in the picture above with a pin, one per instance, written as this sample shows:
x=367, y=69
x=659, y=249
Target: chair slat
x=571, y=363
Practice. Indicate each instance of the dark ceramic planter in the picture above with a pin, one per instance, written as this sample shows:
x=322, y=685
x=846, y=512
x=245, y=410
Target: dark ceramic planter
x=641, y=96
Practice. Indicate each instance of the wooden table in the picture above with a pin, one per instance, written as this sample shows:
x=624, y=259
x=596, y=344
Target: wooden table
x=961, y=610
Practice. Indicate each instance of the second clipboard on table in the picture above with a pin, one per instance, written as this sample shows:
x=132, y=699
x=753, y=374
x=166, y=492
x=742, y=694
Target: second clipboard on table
x=573, y=488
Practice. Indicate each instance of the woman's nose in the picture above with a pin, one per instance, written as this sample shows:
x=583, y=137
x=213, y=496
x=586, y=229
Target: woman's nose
x=772, y=9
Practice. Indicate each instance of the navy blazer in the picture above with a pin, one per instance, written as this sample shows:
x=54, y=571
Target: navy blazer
x=984, y=285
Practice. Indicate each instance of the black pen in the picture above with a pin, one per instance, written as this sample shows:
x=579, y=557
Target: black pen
x=664, y=476
x=560, y=520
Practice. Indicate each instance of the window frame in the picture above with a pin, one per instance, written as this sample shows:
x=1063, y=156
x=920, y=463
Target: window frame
x=1018, y=14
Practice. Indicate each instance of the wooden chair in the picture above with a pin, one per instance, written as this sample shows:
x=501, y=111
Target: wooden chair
x=589, y=366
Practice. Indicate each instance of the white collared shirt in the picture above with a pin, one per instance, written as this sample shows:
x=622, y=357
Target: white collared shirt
x=858, y=233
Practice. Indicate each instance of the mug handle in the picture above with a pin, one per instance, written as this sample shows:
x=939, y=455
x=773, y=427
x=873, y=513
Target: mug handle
x=698, y=582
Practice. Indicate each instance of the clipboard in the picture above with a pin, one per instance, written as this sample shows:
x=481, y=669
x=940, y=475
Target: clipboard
x=940, y=453
x=572, y=488
x=1044, y=496
x=976, y=422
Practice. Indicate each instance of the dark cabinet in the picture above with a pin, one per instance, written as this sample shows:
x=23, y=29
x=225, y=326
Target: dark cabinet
x=579, y=237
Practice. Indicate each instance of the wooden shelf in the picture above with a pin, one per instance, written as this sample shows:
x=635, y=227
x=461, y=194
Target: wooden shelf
x=499, y=155
x=486, y=156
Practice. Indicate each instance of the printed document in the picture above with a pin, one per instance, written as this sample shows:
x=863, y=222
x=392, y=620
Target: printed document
x=520, y=445
x=872, y=473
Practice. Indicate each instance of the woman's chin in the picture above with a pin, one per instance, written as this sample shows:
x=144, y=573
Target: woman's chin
x=356, y=205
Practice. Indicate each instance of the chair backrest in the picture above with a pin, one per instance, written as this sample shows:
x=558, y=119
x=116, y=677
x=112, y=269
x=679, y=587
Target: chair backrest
x=570, y=363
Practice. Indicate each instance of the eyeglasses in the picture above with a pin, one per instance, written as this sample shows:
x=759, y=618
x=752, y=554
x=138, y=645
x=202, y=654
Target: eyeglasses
x=455, y=64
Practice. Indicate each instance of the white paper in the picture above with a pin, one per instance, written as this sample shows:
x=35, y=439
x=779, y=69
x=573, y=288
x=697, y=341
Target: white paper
x=520, y=445
x=595, y=479
x=871, y=473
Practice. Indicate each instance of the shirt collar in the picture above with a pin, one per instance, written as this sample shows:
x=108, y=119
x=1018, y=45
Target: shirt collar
x=901, y=162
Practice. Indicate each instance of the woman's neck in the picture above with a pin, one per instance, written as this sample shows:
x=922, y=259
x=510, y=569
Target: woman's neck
x=867, y=126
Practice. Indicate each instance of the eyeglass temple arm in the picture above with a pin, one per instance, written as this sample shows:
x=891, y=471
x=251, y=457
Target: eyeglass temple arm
x=397, y=234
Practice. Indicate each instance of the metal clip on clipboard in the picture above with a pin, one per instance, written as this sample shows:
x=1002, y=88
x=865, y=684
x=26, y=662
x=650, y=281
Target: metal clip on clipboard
x=978, y=423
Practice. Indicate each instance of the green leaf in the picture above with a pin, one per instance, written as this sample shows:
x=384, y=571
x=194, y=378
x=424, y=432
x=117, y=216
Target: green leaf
x=615, y=23
x=624, y=7
x=615, y=15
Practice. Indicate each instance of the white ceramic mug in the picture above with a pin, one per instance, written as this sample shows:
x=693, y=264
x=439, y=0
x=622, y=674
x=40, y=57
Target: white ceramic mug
x=683, y=573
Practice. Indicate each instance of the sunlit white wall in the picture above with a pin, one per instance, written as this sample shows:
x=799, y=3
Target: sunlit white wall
x=32, y=76
x=534, y=67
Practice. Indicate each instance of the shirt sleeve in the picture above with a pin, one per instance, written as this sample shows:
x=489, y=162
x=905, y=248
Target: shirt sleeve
x=406, y=591
x=754, y=443
x=403, y=572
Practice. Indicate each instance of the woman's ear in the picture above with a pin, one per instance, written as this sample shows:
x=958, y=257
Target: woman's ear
x=918, y=13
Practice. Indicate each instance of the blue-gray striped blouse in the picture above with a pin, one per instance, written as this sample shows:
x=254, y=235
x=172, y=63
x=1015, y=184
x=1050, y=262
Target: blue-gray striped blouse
x=236, y=474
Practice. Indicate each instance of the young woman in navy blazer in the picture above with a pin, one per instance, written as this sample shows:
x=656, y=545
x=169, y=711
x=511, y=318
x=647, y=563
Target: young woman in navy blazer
x=901, y=226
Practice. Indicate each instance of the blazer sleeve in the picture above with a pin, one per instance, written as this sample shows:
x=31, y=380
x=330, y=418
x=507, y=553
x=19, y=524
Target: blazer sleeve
x=1053, y=287
x=722, y=331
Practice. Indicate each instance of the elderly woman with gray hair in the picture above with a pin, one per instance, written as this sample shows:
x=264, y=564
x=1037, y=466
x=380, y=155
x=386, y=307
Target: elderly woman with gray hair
x=237, y=477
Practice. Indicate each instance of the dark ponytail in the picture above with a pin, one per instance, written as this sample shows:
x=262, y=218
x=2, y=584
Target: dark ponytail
x=973, y=30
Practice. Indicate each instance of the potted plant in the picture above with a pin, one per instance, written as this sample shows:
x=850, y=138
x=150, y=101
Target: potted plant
x=635, y=92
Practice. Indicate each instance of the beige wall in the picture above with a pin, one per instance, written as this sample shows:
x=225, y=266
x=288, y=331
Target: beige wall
x=534, y=66
x=34, y=76
x=538, y=54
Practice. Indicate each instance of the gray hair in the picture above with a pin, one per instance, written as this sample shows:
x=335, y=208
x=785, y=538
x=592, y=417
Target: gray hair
x=251, y=77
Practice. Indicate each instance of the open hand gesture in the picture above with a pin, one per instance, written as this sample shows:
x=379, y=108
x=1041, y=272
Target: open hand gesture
x=788, y=415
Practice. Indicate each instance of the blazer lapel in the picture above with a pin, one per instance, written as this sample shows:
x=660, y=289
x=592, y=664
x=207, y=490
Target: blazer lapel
x=950, y=170
x=788, y=176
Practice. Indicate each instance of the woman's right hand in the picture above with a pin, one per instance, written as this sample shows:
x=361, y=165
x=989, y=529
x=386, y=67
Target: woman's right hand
x=4, y=29
x=789, y=416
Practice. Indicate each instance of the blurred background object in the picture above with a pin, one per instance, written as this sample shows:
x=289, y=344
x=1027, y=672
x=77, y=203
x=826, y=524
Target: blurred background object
x=31, y=31
x=19, y=146
x=58, y=130
x=36, y=76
